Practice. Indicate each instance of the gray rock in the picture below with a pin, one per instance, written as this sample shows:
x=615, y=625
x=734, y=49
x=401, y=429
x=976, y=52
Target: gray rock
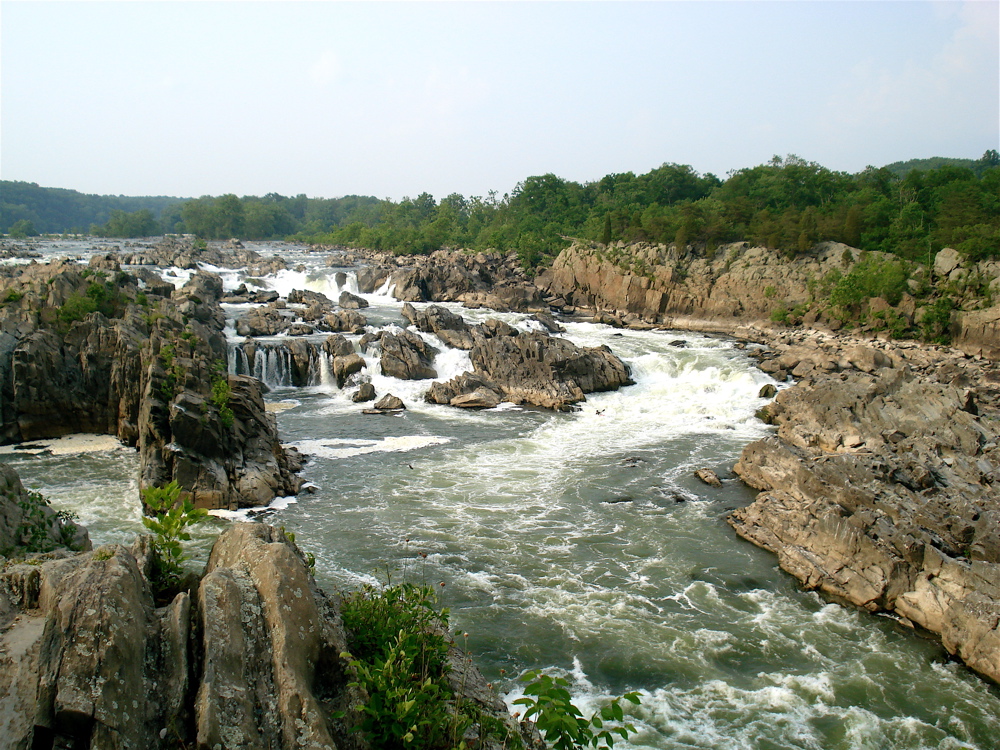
x=389, y=403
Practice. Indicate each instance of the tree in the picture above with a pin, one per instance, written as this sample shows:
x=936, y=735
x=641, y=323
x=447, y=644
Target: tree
x=23, y=228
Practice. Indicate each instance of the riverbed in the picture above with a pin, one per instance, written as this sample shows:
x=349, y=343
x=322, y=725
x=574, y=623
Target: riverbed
x=579, y=543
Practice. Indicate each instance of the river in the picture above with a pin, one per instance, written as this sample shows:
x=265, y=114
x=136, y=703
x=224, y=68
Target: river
x=581, y=543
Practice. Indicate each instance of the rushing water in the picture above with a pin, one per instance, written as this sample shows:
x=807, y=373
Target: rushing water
x=582, y=544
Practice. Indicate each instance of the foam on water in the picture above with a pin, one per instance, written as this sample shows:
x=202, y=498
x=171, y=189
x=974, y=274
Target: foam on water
x=328, y=449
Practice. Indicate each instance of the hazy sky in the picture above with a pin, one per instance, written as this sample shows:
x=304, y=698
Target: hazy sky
x=393, y=99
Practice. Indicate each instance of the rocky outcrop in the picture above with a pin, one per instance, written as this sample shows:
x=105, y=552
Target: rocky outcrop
x=29, y=524
x=879, y=488
x=530, y=368
x=406, y=356
x=656, y=284
x=265, y=321
x=476, y=280
x=88, y=351
x=249, y=657
x=446, y=325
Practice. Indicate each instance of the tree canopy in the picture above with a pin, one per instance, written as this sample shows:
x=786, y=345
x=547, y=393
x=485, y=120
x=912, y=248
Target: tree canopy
x=911, y=209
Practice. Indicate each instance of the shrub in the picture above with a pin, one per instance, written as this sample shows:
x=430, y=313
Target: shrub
x=562, y=723
x=398, y=657
x=870, y=278
x=171, y=516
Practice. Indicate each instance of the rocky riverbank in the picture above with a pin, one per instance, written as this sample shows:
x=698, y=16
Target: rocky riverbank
x=879, y=486
x=251, y=655
x=99, y=350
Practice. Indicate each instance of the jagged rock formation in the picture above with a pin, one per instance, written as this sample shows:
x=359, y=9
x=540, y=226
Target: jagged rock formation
x=481, y=280
x=879, y=486
x=529, y=368
x=89, y=350
x=249, y=657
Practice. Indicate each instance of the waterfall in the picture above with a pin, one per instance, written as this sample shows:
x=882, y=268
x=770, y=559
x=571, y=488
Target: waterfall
x=276, y=365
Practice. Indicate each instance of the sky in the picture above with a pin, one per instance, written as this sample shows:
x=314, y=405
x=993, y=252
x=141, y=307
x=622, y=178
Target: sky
x=394, y=99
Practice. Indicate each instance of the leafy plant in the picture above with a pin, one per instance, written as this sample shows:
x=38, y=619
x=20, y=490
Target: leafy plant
x=221, y=393
x=172, y=516
x=562, y=723
x=398, y=657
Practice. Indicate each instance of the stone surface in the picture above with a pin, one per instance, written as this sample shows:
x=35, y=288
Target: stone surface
x=407, y=356
x=878, y=489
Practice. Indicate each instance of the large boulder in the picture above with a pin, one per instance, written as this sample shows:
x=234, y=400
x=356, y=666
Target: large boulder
x=407, y=356
x=446, y=325
x=546, y=371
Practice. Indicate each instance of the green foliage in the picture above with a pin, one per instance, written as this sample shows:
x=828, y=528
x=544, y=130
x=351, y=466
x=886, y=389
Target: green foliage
x=22, y=228
x=12, y=295
x=935, y=323
x=171, y=516
x=563, y=725
x=141, y=223
x=42, y=529
x=221, y=393
x=871, y=278
x=398, y=657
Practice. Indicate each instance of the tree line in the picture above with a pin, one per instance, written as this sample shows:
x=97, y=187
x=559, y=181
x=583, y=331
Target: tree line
x=911, y=209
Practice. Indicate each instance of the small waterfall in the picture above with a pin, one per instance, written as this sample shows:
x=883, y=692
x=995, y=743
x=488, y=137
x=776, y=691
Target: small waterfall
x=283, y=365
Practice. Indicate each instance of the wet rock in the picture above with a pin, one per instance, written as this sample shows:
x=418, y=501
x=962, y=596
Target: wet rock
x=407, y=356
x=446, y=325
x=350, y=301
x=264, y=321
x=768, y=390
x=544, y=371
x=365, y=392
x=481, y=398
x=709, y=477
x=347, y=321
x=872, y=491
x=389, y=403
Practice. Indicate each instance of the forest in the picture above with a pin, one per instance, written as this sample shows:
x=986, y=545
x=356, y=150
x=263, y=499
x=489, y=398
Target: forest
x=910, y=208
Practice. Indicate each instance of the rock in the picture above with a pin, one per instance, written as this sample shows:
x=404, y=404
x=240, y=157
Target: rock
x=549, y=372
x=389, y=403
x=29, y=524
x=308, y=297
x=299, y=329
x=446, y=325
x=264, y=321
x=865, y=358
x=407, y=356
x=348, y=321
x=709, y=477
x=873, y=491
x=269, y=637
x=350, y=301
x=768, y=390
x=365, y=392
x=98, y=696
x=548, y=322
x=481, y=398
x=946, y=261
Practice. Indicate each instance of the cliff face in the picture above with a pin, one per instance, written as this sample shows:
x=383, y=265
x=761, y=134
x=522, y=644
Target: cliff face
x=143, y=366
x=742, y=286
x=739, y=285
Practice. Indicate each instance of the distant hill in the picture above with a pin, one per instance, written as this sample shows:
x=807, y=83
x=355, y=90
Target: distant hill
x=902, y=168
x=57, y=210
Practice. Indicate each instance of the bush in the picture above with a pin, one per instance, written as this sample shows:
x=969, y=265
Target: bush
x=871, y=278
x=562, y=723
x=171, y=516
x=398, y=657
